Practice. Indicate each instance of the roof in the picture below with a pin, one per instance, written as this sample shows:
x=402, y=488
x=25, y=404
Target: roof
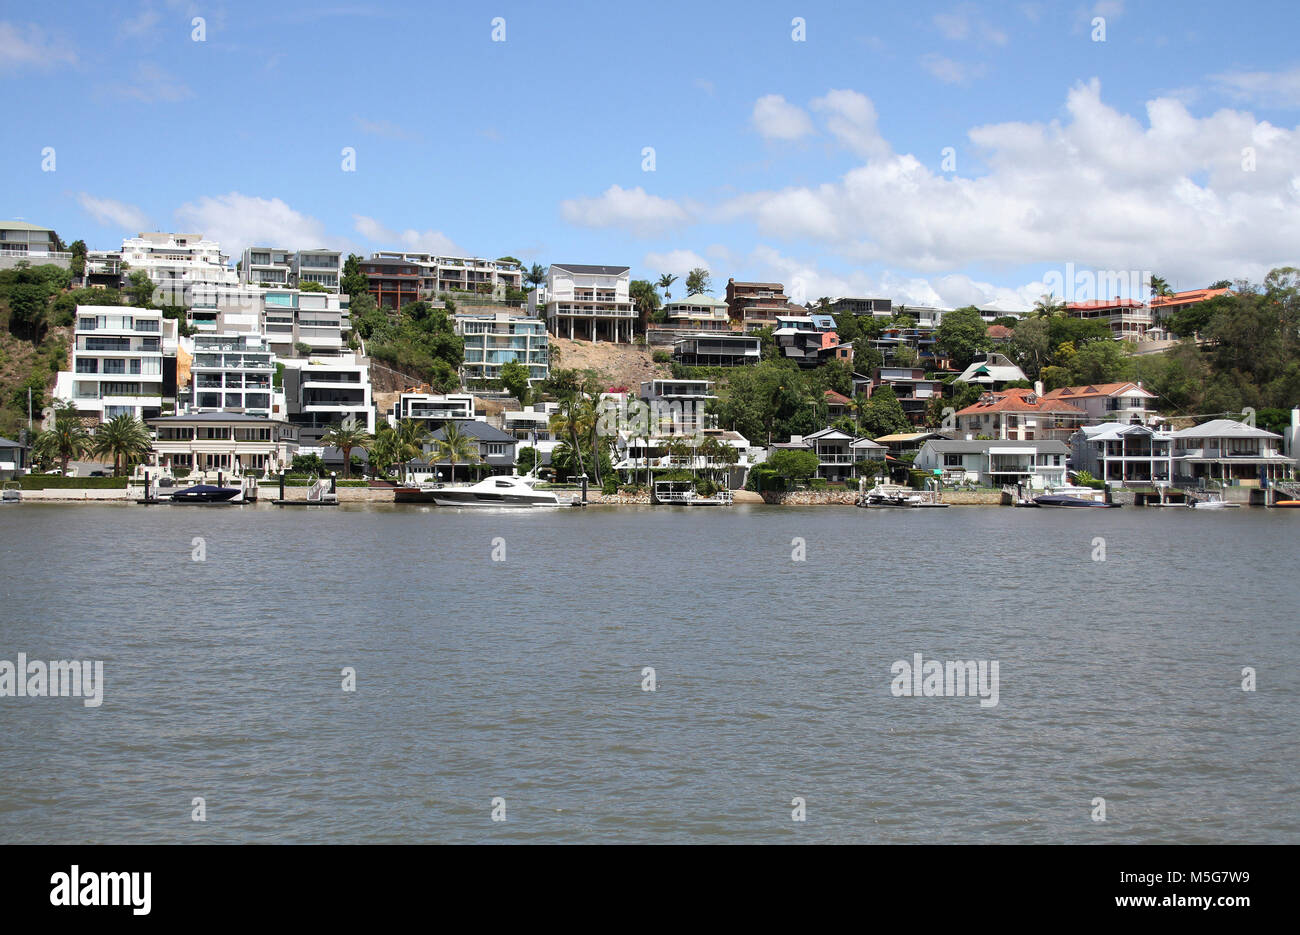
x=1182, y=298
x=905, y=437
x=996, y=366
x=1110, y=431
x=1217, y=428
x=1105, y=303
x=477, y=430
x=1094, y=390
x=828, y=431
x=697, y=299
x=6, y=443
x=23, y=226
x=213, y=417
x=999, y=331
x=838, y=399
x=594, y=270
x=1019, y=400
x=978, y=446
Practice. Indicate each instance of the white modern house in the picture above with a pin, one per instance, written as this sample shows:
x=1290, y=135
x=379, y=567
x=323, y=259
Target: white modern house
x=234, y=373
x=451, y=274
x=117, y=362
x=325, y=391
x=277, y=267
x=231, y=442
x=177, y=263
x=678, y=402
x=1110, y=402
x=1123, y=454
x=499, y=338
x=588, y=303
x=1038, y=464
x=697, y=313
x=1230, y=452
x=433, y=409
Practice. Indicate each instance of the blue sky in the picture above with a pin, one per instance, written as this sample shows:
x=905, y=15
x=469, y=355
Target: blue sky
x=815, y=162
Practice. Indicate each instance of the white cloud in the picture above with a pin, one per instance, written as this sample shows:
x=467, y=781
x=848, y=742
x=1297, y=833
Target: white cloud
x=1098, y=188
x=851, y=118
x=240, y=221
x=29, y=46
x=776, y=119
x=679, y=263
x=950, y=71
x=149, y=84
x=964, y=23
x=1279, y=89
x=414, y=241
x=116, y=213
x=633, y=209
x=384, y=128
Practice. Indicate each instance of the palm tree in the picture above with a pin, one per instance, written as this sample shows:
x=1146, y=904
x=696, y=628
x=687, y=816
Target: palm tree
x=1048, y=306
x=665, y=283
x=67, y=440
x=535, y=276
x=455, y=446
x=384, y=450
x=345, y=436
x=1160, y=287
x=124, y=438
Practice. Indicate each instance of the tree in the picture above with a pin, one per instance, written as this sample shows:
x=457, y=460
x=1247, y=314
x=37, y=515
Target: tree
x=882, y=414
x=1048, y=306
x=77, y=266
x=1030, y=346
x=383, y=451
x=354, y=282
x=514, y=377
x=697, y=281
x=1160, y=287
x=68, y=438
x=28, y=314
x=528, y=459
x=643, y=296
x=345, y=436
x=665, y=283
x=535, y=276
x=124, y=438
x=962, y=335
x=140, y=289
x=793, y=465
x=455, y=447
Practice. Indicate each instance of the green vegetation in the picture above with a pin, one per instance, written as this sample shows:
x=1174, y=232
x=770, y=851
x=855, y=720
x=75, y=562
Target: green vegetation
x=345, y=436
x=514, y=377
x=55, y=482
x=418, y=341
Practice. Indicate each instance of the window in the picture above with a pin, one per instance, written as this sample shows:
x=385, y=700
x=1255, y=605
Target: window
x=952, y=461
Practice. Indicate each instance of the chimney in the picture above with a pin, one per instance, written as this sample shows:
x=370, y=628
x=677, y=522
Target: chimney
x=1038, y=387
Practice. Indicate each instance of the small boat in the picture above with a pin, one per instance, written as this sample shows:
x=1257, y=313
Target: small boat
x=1065, y=500
x=1286, y=504
x=888, y=495
x=206, y=493
x=503, y=490
x=11, y=493
x=1213, y=502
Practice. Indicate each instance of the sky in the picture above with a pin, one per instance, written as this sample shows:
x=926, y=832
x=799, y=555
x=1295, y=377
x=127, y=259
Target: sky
x=933, y=153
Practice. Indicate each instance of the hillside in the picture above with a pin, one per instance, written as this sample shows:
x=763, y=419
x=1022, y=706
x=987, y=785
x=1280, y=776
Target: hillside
x=619, y=364
x=23, y=363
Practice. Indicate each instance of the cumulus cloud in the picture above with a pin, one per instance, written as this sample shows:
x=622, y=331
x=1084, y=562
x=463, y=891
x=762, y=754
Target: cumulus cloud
x=115, y=213
x=632, y=209
x=851, y=119
x=1279, y=89
x=239, y=221
x=413, y=241
x=777, y=119
x=29, y=46
x=1097, y=188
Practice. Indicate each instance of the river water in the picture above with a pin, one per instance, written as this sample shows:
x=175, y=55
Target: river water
x=500, y=657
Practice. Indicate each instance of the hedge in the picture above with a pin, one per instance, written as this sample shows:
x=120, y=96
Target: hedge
x=58, y=482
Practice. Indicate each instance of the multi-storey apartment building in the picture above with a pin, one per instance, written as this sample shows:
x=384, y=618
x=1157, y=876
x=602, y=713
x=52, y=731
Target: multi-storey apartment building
x=1128, y=319
x=393, y=282
x=718, y=350
x=118, y=362
x=37, y=245
x=755, y=305
x=277, y=267
x=697, y=313
x=316, y=319
x=453, y=274
x=325, y=392
x=433, y=409
x=234, y=373
x=493, y=340
x=177, y=263
x=588, y=303
x=877, y=308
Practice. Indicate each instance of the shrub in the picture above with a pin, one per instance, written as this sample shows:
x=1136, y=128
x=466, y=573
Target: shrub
x=662, y=357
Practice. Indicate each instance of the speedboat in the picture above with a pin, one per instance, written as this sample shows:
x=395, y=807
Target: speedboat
x=206, y=493
x=1213, y=502
x=1069, y=501
x=504, y=490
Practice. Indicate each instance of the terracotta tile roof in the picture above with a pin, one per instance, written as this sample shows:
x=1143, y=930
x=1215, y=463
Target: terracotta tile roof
x=1000, y=331
x=1019, y=400
x=1092, y=390
x=1182, y=298
x=837, y=398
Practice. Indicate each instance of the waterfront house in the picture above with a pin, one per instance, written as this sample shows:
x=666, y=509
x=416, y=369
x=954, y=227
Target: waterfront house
x=233, y=442
x=13, y=459
x=909, y=384
x=996, y=462
x=1122, y=454
x=834, y=450
x=1110, y=402
x=995, y=371
x=681, y=401
x=234, y=373
x=588, y=303
x=637, y=455
x=496, y=449
x=755, y=305
x=433, y=409
x=1021, y=415
x=718, y=350
x=697, y=313
x=325, y=391
x=1164, y=307
x=1229, y=452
